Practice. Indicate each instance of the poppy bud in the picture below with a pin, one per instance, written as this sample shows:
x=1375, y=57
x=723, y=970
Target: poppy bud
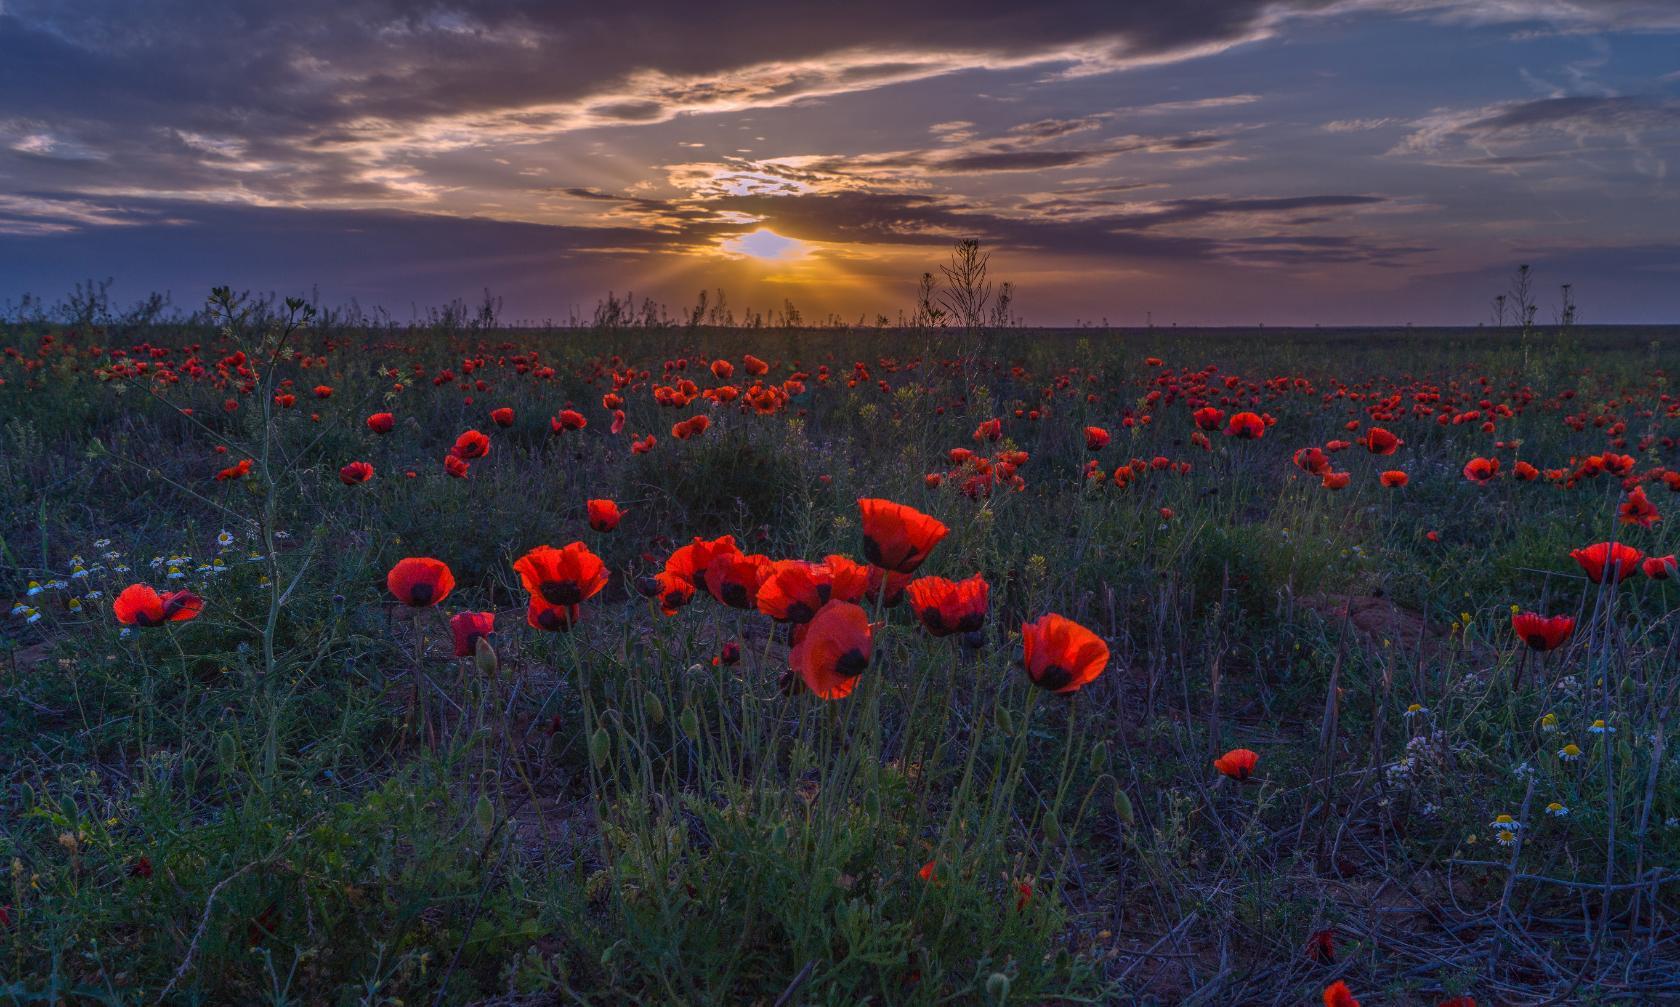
x=485, y=813
x=1123, y=807
x=690, y=722
x=1052, y=827
x=600, y=746
x=997, y=987
x=1099, y=758
x=227, y=750
x=655, y=709
x=485, y=657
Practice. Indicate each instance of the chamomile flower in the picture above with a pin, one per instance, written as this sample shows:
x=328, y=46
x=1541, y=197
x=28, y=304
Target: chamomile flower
x=1506, y=822
x=19, y=610
x=100, y=543
x=1416, y=710
x=1600, y=727
x=1556, y=810
x=34, y=589
x=225, y=539
x=120, y=568
x=95, y=595
x=79, y=573
x=75, y=605
x=1506, y=837
x=1549, y=723
x=1569, y=752
x=175, y=574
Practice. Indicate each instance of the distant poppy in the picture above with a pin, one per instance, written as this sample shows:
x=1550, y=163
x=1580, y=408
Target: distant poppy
x=566, y=576
x=604, y=515
x=754, y=366
x=539, y=614
x=1060, y=654
x=832, y=650
x=1312, y=461
x=141, y=605
x=468, y=628
x=568, y=419
x=1380, y=442
x=694, y=426
x=355, y=473
x=1542, y=632
x=1238, y=763
x=1208, y=418
x=502, y=417
x=690, y=561
x=1321, y=947
x=1337, y=994
x=1524, y=472
x=671, y=590
x=1247, y=426
x=734, y=578
x=381, y=423
x=1394, y=479
x=1619, y=559
x=471, y=445
x=419, y=581
x=236, y=471
x=1481, y=470
x=927, y=871
x=945, y=606
x=1337, y=480
x=455, y=467
x=990, y=430
x=1661, y=567
x=896, y=537
x=1096, y=438
x=323, y=391
x=1639, y=510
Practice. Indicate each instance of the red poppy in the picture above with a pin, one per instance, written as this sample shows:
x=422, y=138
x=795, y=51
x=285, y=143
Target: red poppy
x=539, y=614
x=1637, y=509
x=1661, y=567
x=849, y=579
x=1542, y=632
x=886, y=586
x=455, y=467
x=1238, y=763
x=419, y=581
x=927, y=871
x=568, y=419
x=1321, y=947
x=502, y=417
x=568, y=576
x=990, y=430
x=672, y=591
x=237, y=471
x=1337, y=994
x=1248, y=426
x=604, y=515
x=734, y=578
x=754, y=366
x=1394, y=479
x=1096, y=438
x=945, y=606
x=1459, y=1002
x=323, y=391
x=1524, y=472
x=1208, y=418
x=896, y=537
x=694, y=426
x=381, y=423
x=470, y=627
x=140, y=605
x=1312, y=460
x=354, y=473
x=832, y=650
x=1060, y=654
x=690, y=561
x=471, y=445
x=1622, y=560
x=1380, y=442
x=285, y=400
x=1481, y=470
x=1337, y=480
x=794, y=590
x=1023, y=896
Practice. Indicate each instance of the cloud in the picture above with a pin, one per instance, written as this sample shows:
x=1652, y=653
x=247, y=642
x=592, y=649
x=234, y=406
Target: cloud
x=1529, y=133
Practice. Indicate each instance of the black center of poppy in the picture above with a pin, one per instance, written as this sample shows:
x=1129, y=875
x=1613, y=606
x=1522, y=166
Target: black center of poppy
x=1538, y=642
x=735, y=595
x=851, y=664
x=145, y=619
x=799, y=612
x=562, y=592
x=554, y=619
x=420, y=594
x=1053, y=677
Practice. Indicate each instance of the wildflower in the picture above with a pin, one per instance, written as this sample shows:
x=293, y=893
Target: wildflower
x=832, y=650
x=1613, y=557
x=539, y=614
x=1481, y=470
x=568, y=419
x=1600, y=727
x=471, y=446
x=468, y=628
x=1337, y=480
x=1337, y=994
x=728, y=654
x=1506, y=837
x=1061, y=655
x=354, y=473
x=1557, y=810
x=565, y=577
x=1416, y=710
x=896, y=537
x=1238, y=763
x=1541, y=632
x=690, y=561
x=1246, y=426
x=1503, y=821
x=1096, y=438
x=927, y=869
x=1549, y=723
x=1208, y=418
x=1380, y=442
x=1570, y=752
x=671, y=590
x=945, y=606
x=1321, y=947
x=381, y=423
x=1661, y=567
x=225, y=539
x=1394, y=479
x=604, y=515
x=455, y=466
x=735, y=578
x=1638, y=510
x=502, y=417
x=420, y=581
x=141, y=605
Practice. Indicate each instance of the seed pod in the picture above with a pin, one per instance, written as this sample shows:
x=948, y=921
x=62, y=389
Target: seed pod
x=997, y=987
x=1052, y=827
x=485, y=657
x=485, y=813
x=1123, y=807
x=1005, y=720
x=655, y=709
x=690, y=722
x=1099, y=758
x=600, y=745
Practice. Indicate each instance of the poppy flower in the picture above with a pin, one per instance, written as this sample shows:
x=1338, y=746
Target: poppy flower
x=945, y=606
x=604, y=515
x=1620, y=559
x=381, y=423
x=694, y=426
x=237, y=471
x=1247, y=426
x=455, y=467
x=419, y=581
x=1238, y=763
x=896, y=537
x=1524, y=472
x=1337, y=994
x=754, y=366
x=1639, y=510
x=886, y=586
x=728, y=654
x=832, y=650
x=1321, y=947
x=1542, y=632
x=734, y=578
x=471, y=445
x=141, y=605
x=1312, y=461
x=1380, y=442
x=927, y=871
x=1208, y=418
x=990, y=430
x=539, y=614
x=468, y=628
x=568, y=419
x=355, y=473
x=671, y=590
x=502, y=417
x=1481, y=470
x=1459, y=1002
x=1661, y=567
x=323, y=391
x=1096, y=438
x=1337, y=480
x=567, y=576
x=1060, y=654
x=849, y=580
x=690, y=561
x=795, y=590
x=1394, y=479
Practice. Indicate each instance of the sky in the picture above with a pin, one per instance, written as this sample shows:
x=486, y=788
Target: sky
x=1192, y=162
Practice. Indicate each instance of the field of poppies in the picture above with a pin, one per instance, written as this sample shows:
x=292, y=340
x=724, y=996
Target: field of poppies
x=460, y=664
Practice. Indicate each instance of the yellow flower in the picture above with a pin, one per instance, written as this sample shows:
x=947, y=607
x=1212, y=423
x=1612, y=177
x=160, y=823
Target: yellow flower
x=1570, y=752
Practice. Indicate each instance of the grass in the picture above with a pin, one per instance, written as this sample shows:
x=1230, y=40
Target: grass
x=302, y=796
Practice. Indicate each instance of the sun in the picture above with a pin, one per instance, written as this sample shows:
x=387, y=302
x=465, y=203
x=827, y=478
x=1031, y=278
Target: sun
x=765, y=245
